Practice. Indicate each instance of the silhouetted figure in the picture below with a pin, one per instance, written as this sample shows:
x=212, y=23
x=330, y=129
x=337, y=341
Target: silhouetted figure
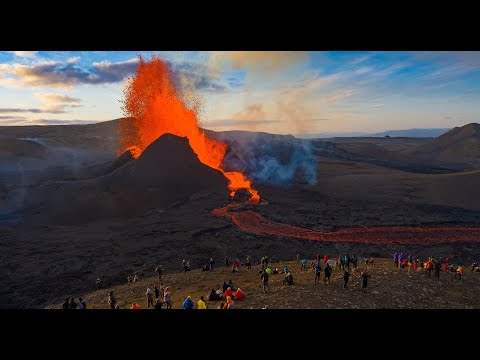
x=346, y=277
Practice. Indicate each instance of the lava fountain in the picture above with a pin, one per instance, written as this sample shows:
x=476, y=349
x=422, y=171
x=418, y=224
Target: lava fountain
x=153, y=102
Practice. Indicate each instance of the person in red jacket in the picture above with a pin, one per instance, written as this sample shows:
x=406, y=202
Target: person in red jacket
x=239, y=294
x=228, y=292
x=325, y=259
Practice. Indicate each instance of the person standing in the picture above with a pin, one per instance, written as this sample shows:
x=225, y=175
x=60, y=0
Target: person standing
x=157, y=293
x=347, y=262
x=72, y=305
x=111, y=300
x=365, y=275
x=264, y=277
x=328, y=272
x=318, y=271
x=346, y=277
x=211, y=262
x=167, y=298
x=159, y=271
x=298, y=258
x=395, y=259
x=437, y=269
x=325, y=259
x=226, y=261
x=248, y=262
x=149, y=296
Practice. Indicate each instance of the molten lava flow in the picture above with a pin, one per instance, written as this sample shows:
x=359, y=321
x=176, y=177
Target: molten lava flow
x=253, y=222
x=152, y=101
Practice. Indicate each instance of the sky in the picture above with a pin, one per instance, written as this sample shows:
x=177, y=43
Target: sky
x=279, y=92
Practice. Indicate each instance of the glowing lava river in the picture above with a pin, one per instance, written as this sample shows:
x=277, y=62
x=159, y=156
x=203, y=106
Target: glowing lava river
x=254, y=222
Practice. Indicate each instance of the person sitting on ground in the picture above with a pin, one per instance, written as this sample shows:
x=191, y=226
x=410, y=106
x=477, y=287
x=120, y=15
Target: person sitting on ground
x=188, y=303
x=135, y=278
x=228, y=292
x=66, y=304
x=230, y=285
x=212, y=296
x=239, y=294
x=135, y=306
x=111, y=300
x=229, y=303
x=201, y=304
x=158, y=304
x=288, y=279
x=236, y=266
x=474, y=266
x=81, y=304
x=275, y=271
x=130, y=278
x=285, y=270
x=219, y=294
x=206, y=267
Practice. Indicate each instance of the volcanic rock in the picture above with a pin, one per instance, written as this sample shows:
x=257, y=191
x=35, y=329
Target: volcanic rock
x=242, y=195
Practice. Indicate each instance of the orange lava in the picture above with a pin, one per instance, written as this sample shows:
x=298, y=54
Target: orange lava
x=253, y=222
x=153, y=101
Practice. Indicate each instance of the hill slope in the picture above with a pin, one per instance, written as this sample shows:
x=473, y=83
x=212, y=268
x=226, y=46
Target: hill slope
x=459, y=146
x=388, y=288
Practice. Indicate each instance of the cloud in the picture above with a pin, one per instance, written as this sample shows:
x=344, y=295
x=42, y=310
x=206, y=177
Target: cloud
x=8, y=117
x=64, y=122
x=73, y=60
x=32, y=110
x=64, y=75
x=24, y=54
x=257, y=61
x=58, y=98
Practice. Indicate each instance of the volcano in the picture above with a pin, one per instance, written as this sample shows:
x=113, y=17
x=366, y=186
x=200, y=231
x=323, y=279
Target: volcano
x=167, y=172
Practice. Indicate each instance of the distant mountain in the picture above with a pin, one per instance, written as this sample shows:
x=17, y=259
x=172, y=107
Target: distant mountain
x=460, y=146
x=414, y=133
x=417, y=133
x=327, y=135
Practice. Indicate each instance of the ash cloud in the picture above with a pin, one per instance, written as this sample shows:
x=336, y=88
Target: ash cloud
x=271, y=159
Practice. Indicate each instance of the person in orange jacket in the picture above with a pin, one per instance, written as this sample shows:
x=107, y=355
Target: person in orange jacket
x=135, y=306
x=239, y=294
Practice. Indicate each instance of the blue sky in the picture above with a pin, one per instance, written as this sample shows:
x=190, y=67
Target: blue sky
x=279, y=92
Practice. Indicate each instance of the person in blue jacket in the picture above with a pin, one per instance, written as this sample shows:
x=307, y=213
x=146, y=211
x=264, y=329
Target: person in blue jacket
x=188, y=304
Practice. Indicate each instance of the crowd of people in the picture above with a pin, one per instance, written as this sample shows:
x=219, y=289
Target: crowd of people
x=160, y=296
